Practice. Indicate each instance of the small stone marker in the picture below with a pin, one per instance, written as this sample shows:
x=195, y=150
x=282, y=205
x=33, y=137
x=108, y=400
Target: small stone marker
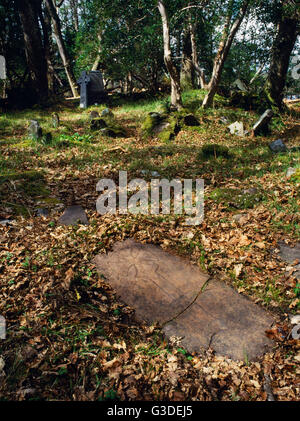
x=291, y=255
x=290, y=172
x=167, y=289
x=55, y=120
x=93, y=115
x=262, y=125
x=107, y=113
x=35, y=131
x=73, y=215
x=278, y=146
x=237, y=128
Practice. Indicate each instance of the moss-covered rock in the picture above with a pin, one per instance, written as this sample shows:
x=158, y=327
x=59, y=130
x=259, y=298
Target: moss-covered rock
x=235, y=198
x=97, y=124
x=164, y=126
x=108, y=126
x=215, y=150
x=151, y=121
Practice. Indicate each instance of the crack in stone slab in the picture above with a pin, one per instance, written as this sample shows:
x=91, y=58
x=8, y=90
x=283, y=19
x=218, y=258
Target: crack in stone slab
x=190, y=305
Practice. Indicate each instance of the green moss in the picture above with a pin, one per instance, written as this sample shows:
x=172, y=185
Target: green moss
x=25, y=175
x=235, y=199
x=296, y=176
x=214, y=150
x=152, y=120
x=171, y=131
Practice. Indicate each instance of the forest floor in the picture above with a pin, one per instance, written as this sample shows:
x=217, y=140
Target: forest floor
x=68, y=335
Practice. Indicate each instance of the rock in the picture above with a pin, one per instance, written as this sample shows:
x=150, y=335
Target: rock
x=190, y=120
x=6, y=222
x=113, y=132
x=152, y=173
x=97, y=124
x=35, y=131
x=73, y=215
x=167, y=289
x=262, y=125
x=238, y=217
x=215, y=150
x=290, y=172
x=94, y=115
x=290, y=255
x=42, y=212
x=237, y=128
x=107, y=113
x=55, y=120
x=223, y=120
x=160, y=127
x=165, y=127
x=252, y=190
x=278, y=146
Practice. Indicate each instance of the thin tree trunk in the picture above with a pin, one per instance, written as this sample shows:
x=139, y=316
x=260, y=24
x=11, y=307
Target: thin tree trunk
x=98, y=57
x=284, y=42
x=46, y=27
x=61, y=46
x=35, y=54
x=224, y=48
x=176, y=100
x=74, y=7
x=198, y=71
x=187, y=69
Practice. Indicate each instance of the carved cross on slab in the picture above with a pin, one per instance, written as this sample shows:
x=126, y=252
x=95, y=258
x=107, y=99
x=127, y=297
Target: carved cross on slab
x=83, y=82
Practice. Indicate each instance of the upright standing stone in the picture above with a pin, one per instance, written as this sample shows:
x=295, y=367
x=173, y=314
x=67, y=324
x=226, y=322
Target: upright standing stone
x=262, y=125
x=91, y=88
x=237, y=128
x=35, y=131
x=55, y=120
x=83, y=82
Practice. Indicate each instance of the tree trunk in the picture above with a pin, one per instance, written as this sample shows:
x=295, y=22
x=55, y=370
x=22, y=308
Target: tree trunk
x=282, y=48
x=187, y=68
x=35, y=54
x=199, y=72
x=61, y=46
x=224, y=48
x=74, y=7
x=176, y=100
x=46, y=28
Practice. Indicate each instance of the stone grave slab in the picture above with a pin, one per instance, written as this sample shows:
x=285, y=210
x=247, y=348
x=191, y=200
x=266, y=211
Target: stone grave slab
x=165, y=288
x=157, y=284
x=73, y=215
x=224, y=320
